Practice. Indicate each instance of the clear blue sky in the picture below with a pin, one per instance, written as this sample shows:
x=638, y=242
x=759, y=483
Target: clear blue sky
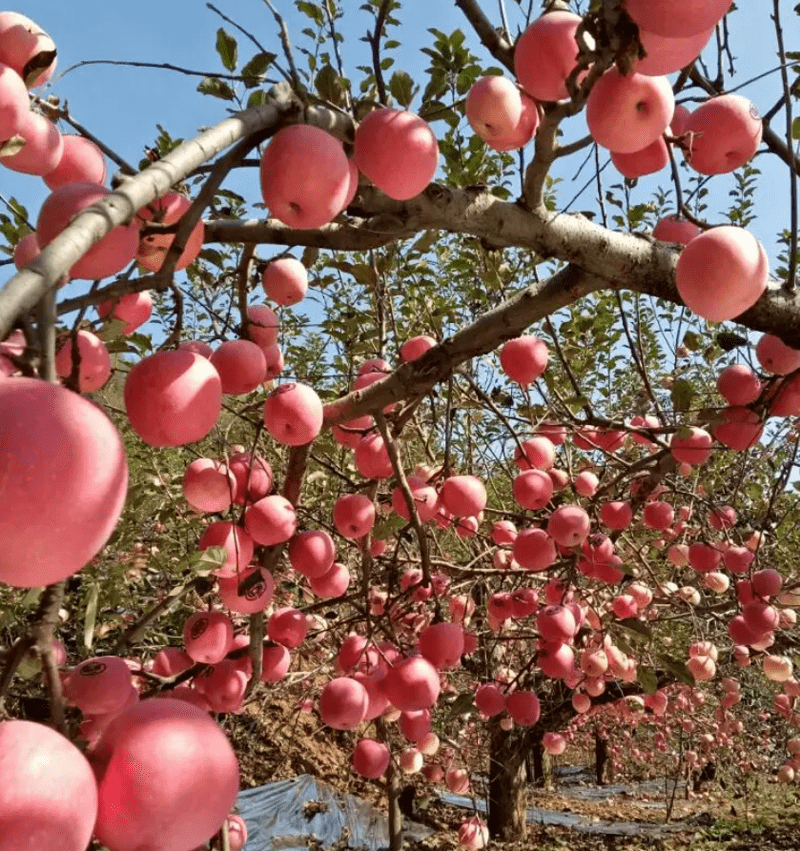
x=123, y=105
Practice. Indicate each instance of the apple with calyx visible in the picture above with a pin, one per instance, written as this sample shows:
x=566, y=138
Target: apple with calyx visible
x=305, y=176
x=627, y=113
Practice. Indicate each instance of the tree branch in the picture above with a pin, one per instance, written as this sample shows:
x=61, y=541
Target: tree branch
x=495, y=43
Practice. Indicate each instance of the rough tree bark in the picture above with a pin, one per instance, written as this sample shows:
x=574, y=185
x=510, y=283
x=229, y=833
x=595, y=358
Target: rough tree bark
x=507, y=789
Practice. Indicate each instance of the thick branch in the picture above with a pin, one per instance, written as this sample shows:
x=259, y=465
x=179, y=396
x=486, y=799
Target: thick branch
x=26, y=288
x=495, y=43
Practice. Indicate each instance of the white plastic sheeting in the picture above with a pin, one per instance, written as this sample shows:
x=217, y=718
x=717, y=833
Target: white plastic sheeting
x=291, y=814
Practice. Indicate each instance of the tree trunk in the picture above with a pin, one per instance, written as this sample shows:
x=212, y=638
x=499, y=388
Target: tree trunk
x=600, y=758
x=507, y=791
x=535, y=763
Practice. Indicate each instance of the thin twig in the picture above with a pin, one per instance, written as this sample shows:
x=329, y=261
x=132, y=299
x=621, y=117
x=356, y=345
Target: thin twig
x=287, y=47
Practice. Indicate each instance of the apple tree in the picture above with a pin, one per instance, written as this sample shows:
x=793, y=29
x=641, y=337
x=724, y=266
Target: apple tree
x=491, y=472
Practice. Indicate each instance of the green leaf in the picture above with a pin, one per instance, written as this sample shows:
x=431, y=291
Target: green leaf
x=402, y=87
x=216, y=88
x=462, y=704
x=257, y=98
x=202, y=562
x=228, y=49
x=255, y=70
x=728, y=341
x=692, y=341
x=329, y=86
x=648, y=680
x=36, y=64
x=90, y=618
x=29, y=667
x=682, y=394
x=796, y=128
x=677, y=669
x=637, y=627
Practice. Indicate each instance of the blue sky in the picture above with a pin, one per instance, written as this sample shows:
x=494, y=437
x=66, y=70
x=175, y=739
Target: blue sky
x=123, y=105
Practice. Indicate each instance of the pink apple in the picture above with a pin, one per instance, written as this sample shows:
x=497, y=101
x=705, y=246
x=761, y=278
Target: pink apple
x=673, y=229
x=775, y=356
x=463, y=496
x=106, y=257
x=48, y=793
x=343, y=703
x=568, y=525
x=173, y=398
x=416, y=347
x=626, y=114
x=664, y=18
x=208, y=637
x=305, y=176
x=546, y=54
x=739, y=385
x=493, y=107
x=397, y=151
x=691, y=445
x=665, y=55
x=412, y=683
x=285, y=281
x=164, y=769
x=81, y=160
x=22, y=41
x=42, y=150
x=523, y=707
x=524, y=359
x=287, y=626
x=241, y=366
x=370, y=758
x=263, y=325
x=723, y=134
x=648, y=160
x=78, y=492
x=94, y=362
x=354, y=515
x=134, y=309
x=235, y=540
x=271, y=520
x=255, y=599
x=293, y=414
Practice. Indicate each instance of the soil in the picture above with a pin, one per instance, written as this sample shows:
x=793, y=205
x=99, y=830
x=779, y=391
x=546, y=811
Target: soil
x=277, y=740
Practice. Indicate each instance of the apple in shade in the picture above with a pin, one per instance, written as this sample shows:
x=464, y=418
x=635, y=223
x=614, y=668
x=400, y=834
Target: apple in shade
x=14, y=108
x=274, y=358
x=105, y=258
x=665, y=55
x=721, y=273
x=312, y=552
x=275, y=662
x=263, y=325
x=343, y=703
x=775, y=356
x=371, y=457
x=237, y=832
x=493, y=107
x=412, y=683
x=354, y=515
x=627, y=113
x=48, y=792
x=167, y=777
x=173, y=398
x=285, y=281
x=22, y=40
x=99, y=686
x=75, y=518
x=81, y=160
x=416, y=347
x=424, y=496
x=287, y=626
x=26, y=250
x=134, y=309
x=293, y=414
x=333, y=583
x=673, y=229
x=524, y=359
x=490, y=700
x=42, y=149
x=739, y=429
x=667, y=19
x=208, y=485
x=523, y=707
x=255, y=599
x=546, y=54
x=724, y=134
x=94, y=362
x=649, y=160
x=397, y=151
x=370, y=758
x=168, y=210
x=305, y=176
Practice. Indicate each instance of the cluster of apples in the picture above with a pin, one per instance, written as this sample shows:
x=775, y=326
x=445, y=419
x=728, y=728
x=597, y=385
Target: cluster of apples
x=307, y=179
x=161, y=775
